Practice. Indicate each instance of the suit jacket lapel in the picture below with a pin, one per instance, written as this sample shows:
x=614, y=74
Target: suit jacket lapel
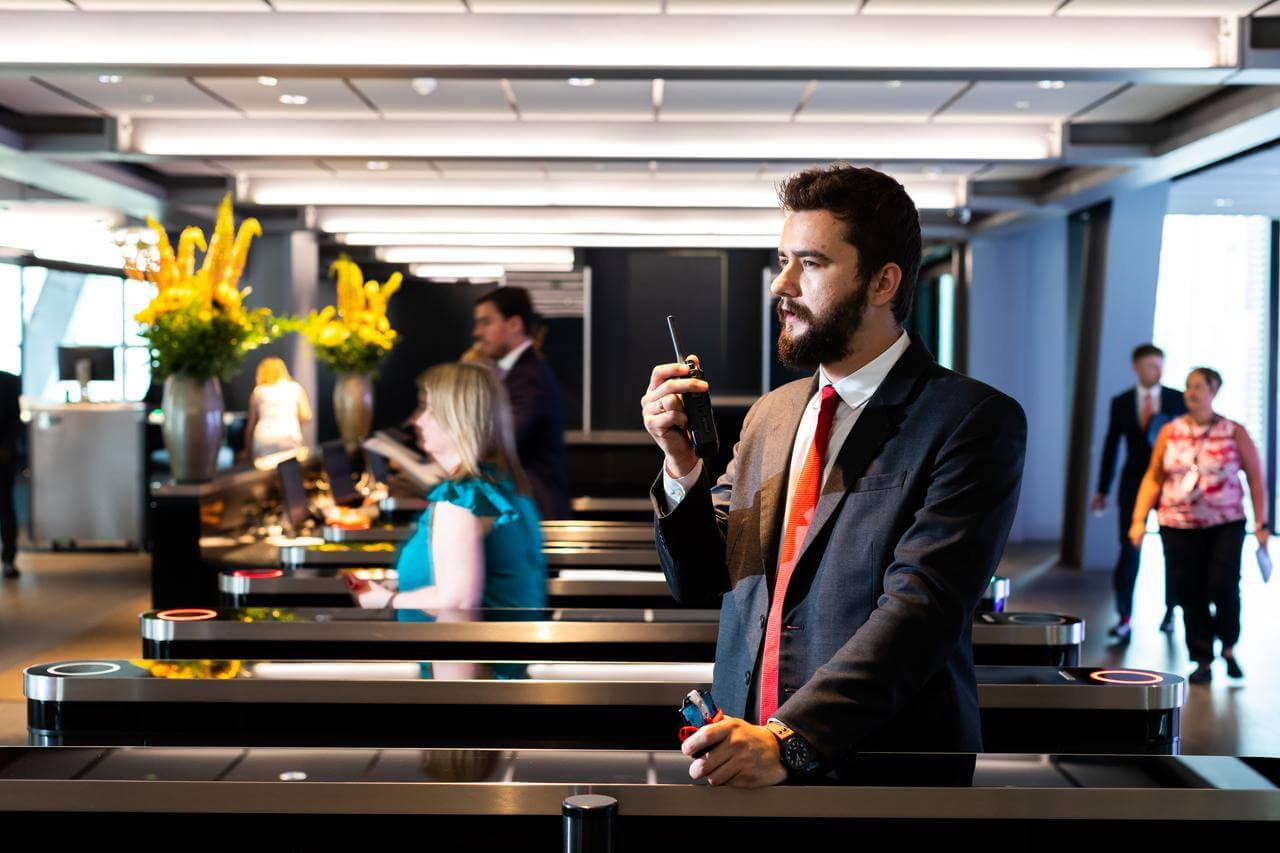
x=880, y=417
x=773, y=489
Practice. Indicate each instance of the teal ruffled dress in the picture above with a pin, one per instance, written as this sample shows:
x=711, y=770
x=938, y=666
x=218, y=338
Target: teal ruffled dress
x=515, y=569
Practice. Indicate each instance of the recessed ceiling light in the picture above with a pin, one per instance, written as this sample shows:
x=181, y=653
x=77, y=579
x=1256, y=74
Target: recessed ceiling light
x=424, y=85
x=377, y=165
x=109, y=78
x=582, y=81
x=1223, y=202
x=1022, y=105
x=894, y=84
x=932, y=172
x=1052, y=84
x=267, y=80
x=293, y=100
x=148, y=99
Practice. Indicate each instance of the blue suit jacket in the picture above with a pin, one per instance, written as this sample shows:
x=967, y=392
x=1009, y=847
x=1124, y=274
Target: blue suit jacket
x=908, y=530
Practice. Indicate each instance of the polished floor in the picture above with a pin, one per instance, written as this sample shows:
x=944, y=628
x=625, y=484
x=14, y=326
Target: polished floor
x=86, y=606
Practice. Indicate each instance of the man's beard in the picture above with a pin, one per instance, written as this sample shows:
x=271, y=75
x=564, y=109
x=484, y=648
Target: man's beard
x=828, y=338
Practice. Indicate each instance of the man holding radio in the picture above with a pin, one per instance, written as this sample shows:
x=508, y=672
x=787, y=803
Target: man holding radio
x=862, y=515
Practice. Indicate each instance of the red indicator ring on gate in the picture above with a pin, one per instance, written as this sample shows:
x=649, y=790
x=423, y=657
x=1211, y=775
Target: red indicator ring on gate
x=1126, y=676
x=188, y=614
x=258, y=574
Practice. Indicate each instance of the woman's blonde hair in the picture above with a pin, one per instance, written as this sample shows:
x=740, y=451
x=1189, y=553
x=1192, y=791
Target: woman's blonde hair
x=472, y=407
x=271, y=370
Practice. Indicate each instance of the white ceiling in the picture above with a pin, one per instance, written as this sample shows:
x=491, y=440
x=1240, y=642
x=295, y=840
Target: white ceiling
x=1247, y=186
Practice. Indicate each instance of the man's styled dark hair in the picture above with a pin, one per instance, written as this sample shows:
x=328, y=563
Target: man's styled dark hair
x=881, y=220
x=1211, y=377
x=1144, y=350
x=513, y=302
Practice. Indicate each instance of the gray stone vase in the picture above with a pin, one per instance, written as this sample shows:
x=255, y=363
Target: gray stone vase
x=353, y=406
x=192, y=427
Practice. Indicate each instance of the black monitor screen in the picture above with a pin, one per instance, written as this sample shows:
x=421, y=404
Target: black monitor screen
x=337, y=467
x=102, y=363
x=293, y=491
x=378, y=466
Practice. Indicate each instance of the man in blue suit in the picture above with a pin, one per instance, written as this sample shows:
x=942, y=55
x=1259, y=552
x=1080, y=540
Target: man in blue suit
x=1137, y=414
x=863, y=513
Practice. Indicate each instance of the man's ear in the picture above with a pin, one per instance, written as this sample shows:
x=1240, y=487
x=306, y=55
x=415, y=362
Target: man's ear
x=883, y=287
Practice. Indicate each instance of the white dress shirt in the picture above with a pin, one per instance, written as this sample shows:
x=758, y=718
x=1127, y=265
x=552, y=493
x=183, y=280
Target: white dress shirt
x=509, y=360
x=854, y=391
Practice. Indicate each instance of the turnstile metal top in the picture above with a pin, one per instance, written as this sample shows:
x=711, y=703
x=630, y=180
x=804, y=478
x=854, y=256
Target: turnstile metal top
x=376, y=533
x=546, y=683
x=350, y=624
x=384, y=554
x=603, y=584
x=503, y=783
x=1027, y=629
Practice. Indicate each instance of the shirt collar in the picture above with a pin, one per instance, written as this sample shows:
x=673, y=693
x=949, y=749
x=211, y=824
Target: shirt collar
x=1148, y=392
x=509, y=360
x=856, y=388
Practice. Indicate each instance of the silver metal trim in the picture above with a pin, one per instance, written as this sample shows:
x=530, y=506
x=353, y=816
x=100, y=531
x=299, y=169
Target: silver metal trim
x=603, y=588
x=590, y=504
x=688, y=626
x=1076, y=696
x=559, y=554
x=402, y=505
x=311, y=555
x=377, y=533
x=333, y=585
x=1001, y=632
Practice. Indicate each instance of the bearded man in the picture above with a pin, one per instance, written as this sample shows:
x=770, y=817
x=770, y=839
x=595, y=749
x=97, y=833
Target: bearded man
x=860, y=520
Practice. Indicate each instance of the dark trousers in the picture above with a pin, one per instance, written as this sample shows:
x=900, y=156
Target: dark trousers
x=1205, y=568
x=8, y=515
x=1125, y=576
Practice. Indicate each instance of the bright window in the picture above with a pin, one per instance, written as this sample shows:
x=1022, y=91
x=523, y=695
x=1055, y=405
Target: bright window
x=1212, y=309
x=11, y=319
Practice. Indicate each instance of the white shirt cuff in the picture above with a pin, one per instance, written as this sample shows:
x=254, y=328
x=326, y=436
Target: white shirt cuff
x=676, y=488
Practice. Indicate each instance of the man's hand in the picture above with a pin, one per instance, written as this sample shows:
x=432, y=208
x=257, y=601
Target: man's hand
x=1137, y=531
x=664, y=416
x=1099, y=502
x=733, y=752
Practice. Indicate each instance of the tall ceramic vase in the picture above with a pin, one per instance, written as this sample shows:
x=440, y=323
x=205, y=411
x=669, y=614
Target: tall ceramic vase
x=353, y=406
x=192, y=427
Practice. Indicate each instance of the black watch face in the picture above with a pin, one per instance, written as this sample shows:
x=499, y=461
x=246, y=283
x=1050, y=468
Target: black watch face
x=798, y=754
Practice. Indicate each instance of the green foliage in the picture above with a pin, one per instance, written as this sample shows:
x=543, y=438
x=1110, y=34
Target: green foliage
x=205, y=344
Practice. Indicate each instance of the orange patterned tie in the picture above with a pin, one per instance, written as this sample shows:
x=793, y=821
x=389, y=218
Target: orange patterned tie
x=803, y=503
x=1148, y=410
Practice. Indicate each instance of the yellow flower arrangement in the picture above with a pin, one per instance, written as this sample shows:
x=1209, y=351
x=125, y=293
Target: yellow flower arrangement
x=197, y=324
x=353, y=335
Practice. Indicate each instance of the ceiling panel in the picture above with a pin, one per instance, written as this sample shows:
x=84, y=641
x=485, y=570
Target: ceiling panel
x=473, y=100
x=763, y=7
x=960, y=7
x=325, y=97
x=299, y=168
x=1019, y=102
x=480, y=169
x=606, y=100
x=141, y=96
x=36, y=5
x=840, y=100
x=583, y=168
x=403, y=168
x=189, y=167
x=21, y=95
x=1160, y=8
x=566, y=7
x=370, y=6
x=174, y=5
x=1146, y=103
x=1013, y=173
x=731, y=100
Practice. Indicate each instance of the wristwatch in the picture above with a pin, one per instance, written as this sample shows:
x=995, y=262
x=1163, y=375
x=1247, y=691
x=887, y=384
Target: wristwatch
x=797, y=754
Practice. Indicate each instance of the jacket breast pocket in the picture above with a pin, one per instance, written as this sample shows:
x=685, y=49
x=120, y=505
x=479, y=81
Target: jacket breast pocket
x=879, y=482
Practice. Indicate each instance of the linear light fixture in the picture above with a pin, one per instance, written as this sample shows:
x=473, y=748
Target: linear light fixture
x=582, y=241
x=885, y=142
x=455, y=272
x=544, y=220
x=929, y=195
x=507, y=255
x=1040, y=45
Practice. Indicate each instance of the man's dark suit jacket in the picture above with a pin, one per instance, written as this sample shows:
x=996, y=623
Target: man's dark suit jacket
x=10, y=421
x=538, y=405
x=1138, y=443
x=908, y=530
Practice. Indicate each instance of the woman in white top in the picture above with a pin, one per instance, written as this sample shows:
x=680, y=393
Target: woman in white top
x=277, y=410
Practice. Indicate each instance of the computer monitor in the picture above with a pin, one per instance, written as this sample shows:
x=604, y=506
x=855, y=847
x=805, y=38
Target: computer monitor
x=85, y=365
x=337, y=467
x=378, y=466
x=293, y=494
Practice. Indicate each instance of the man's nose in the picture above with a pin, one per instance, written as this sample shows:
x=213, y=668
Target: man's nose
x=784, y=283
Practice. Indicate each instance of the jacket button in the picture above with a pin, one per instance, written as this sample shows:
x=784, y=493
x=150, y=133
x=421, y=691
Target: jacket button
x=764, y=620
x=747, y=679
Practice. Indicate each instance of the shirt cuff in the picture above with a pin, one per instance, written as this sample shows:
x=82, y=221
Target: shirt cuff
x=676, y=488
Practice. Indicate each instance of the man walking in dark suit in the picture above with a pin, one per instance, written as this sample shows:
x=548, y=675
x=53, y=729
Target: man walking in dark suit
x=863, y=513
x=10, y=425
x=504, y=326
x=1136, y=416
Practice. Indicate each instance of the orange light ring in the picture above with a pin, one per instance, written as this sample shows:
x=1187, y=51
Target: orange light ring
x=1105, y=676
x=258, y=574
x=186, y=614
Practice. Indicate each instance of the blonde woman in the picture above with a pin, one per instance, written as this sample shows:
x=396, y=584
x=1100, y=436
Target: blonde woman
x=479, y=544
x=278, y=408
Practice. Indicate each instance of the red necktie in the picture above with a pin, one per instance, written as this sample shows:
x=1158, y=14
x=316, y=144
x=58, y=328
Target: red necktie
x=803, y=503
x=1148, y=410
